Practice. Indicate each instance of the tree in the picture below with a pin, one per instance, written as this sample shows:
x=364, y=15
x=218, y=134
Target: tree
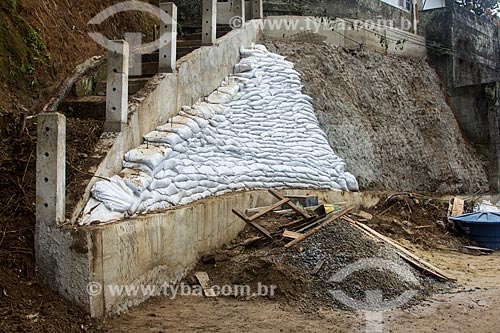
x=481, y=5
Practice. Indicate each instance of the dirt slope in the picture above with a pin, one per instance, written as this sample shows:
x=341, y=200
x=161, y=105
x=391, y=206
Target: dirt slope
x=388, y=117
x=41, y=43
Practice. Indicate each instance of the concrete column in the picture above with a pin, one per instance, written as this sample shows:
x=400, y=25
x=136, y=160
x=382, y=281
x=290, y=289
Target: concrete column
x=257, y=9
x=117, y=87
x=209, y=24
x=134, y=39
x=50, y=169
x=492, y=93
x=239, y=9
x=168, y=39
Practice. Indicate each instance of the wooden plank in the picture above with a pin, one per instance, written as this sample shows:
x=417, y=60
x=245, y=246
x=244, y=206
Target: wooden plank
x=299, y=223
x=472, y=252
x=291, y=234
x=402, y=251
x=289, y=204
x=254, y=225
x=318, y=267
x=457, y=208
x=482, y=249
x=268, y=209
x=319, y=227
x=204, y=281
x=364, y=215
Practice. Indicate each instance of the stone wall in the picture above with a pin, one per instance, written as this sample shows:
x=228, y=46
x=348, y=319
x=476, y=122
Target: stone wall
x=462, y=46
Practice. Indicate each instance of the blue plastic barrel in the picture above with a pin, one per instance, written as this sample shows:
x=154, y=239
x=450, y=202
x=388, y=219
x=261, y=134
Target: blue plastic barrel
x=483, y=228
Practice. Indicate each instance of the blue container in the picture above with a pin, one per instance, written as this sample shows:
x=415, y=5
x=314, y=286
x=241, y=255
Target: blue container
x=483, y=228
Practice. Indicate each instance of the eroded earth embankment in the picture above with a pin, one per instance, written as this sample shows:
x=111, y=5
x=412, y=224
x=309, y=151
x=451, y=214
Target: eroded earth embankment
x=388, y=118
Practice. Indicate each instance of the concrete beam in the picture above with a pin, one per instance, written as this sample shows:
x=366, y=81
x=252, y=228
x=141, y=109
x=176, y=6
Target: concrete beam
x=209, y=24
x=51, y=169
x=239, y=10
x=257, y=9
x=117, y=87
x=168, y=39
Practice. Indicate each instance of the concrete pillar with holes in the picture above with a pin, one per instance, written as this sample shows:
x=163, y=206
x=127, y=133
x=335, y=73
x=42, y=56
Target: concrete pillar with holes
x=257, y=9
x=168, y=37
x=239, y=10
x=209, y=24
x=117, y=86
x=50, y=170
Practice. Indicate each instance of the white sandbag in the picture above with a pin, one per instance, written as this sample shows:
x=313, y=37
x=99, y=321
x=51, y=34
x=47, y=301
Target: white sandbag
x=163, y=137
x=96, y=212
x=114, y=194
x=138, y=167
x=160, y=183
x=149, y=155
x=219, y=97
x=136, y=180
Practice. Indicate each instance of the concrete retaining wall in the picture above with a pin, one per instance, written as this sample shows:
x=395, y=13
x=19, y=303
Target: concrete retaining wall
x=346, y=33
x=68, y=258
x=158, y=248
x=198, y=74
x=161, y=248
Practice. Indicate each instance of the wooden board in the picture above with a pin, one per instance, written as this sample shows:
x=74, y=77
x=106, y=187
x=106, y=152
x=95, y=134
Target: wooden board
x=268, y=209
x=456, y=208
x=364, y=215
x=291, y=205
x=204, y=281
x=291, y=234
x=299, y=223
x=254, y=225
x=319, y=227
x=318, y=267
x=402, y=252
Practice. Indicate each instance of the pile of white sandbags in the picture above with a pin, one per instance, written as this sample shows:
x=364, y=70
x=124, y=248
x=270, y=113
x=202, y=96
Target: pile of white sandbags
x=257, y=131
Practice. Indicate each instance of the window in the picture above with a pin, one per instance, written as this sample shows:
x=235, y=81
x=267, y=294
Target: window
x=408, y=4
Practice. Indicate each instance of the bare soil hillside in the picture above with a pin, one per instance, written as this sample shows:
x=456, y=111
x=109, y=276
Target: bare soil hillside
x=41, y=42
x=388, y=117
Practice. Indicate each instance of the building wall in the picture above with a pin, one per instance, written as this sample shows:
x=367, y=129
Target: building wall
x=464, y=50
x=190, y=10
x=358, y=9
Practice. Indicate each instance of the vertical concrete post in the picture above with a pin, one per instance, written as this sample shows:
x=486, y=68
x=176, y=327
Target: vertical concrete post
x=50, y=170
x=239, y=10
x=492, y=93
x=134, y=39
x=117, y=87
x=257, y=9
x=168, y=38
x=209, y=24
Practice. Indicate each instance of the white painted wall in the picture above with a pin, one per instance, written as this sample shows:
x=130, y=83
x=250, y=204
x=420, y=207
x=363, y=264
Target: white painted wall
x=399, y=3
x=433, y=4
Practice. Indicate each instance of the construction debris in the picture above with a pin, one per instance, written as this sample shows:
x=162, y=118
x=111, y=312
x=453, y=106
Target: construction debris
x=204, y=281
x=364, y=215
x=476, y=251
x=403, y=252
x=318, y=228
x=296, y=230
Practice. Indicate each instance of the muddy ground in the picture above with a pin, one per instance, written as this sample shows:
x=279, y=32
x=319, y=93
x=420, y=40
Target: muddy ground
x=303, y=304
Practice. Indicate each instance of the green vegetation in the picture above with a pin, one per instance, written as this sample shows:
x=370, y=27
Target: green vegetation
x=23, y=52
